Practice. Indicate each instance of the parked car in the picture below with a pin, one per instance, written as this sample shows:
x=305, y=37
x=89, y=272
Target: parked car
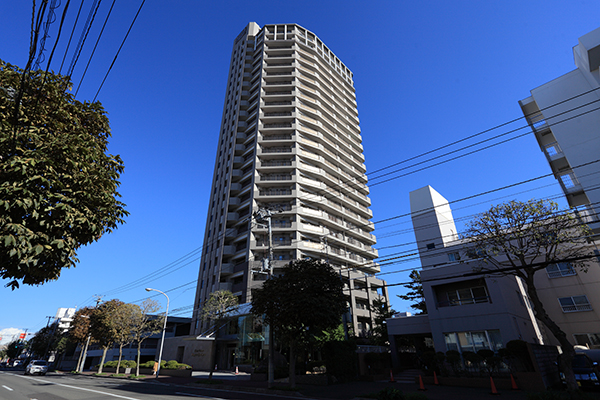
x=586, y=371
x=37, y=367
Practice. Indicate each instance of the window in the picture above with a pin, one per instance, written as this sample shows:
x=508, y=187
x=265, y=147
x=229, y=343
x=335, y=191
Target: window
x=461, y=293
x=430, y=246
x=575, y=303
x=453, y=256
x=559, y=270
x=473, y=341
x=591, y=340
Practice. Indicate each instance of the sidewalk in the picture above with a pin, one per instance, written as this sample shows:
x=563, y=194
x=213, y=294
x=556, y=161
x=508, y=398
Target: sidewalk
x=225, y=380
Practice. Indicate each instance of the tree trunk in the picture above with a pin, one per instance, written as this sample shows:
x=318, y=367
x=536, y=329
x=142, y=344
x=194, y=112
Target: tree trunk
x=292, y=366
x=139, y=352
x=566, y=358
x=104, y=350
x=120, y=356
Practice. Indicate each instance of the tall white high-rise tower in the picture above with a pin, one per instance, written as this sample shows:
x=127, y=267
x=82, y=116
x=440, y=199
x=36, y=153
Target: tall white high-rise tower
x=289, y=145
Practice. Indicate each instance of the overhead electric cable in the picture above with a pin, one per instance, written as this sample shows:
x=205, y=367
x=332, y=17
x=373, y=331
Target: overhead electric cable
x=70, y=38
x=118, y=51
x=95, y=46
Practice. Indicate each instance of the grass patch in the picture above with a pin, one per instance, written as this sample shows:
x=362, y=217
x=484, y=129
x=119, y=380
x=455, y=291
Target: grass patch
x=75, y=372
x=119, y=375
x=102, y=374
x=137, y=376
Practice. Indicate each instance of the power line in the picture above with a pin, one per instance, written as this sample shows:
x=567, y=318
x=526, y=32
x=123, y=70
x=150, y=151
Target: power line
x=95, y=46
x=70, y=38
x=118, y=51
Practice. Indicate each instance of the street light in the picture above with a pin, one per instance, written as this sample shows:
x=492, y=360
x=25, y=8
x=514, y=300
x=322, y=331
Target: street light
x=163, y=331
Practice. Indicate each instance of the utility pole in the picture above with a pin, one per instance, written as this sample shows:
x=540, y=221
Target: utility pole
x=87, y=343
x=265, y=214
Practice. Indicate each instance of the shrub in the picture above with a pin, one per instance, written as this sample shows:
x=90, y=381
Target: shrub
x=172, y=364
x=390, y=394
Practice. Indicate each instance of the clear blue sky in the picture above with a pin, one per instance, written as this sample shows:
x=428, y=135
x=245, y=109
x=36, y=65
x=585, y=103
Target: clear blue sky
x=426, y=74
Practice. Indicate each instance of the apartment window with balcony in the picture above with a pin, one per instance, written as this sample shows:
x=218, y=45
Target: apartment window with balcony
x=461, y=293
x=559, y=270
x=575, y=303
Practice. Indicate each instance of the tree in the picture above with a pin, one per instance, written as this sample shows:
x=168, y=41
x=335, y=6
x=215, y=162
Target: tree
x=80, y=331
x=123, y=320
x=415, y=293
x=13, y=349
x=58, y=184
x=307, y=299
x=103, y=325
x=382, y=311
x=522, y=238
x=145, y=325
x=219, y=306
x=46, y=340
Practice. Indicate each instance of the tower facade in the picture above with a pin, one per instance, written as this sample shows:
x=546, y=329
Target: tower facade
x=289, y=149
x=564, y=116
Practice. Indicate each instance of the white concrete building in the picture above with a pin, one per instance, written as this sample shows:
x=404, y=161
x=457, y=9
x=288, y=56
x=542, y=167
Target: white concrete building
x=290, y=142
x=564, y=115
x=470, y=311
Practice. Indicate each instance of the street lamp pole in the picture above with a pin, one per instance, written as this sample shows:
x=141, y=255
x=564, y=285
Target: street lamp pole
x=162, y=341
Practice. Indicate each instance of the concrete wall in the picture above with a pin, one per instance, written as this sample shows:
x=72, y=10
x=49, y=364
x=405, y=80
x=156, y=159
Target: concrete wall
x=197, y=353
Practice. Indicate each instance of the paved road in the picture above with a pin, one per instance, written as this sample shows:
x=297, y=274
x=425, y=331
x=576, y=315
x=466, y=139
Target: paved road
x=16, y=386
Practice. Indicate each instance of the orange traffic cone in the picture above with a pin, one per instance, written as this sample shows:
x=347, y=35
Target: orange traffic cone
x=236, y=370
x=494, y=391
x=435, y=379
x=421, y=386
x=392, y=377
x=513, y=383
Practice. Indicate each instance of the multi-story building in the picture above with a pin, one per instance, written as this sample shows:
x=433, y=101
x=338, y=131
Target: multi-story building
x=468, y=311
x=564, y=115
x=289, y=147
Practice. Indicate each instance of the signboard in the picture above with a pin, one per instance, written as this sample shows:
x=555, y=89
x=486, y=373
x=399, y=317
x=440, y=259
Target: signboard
x=22, y=335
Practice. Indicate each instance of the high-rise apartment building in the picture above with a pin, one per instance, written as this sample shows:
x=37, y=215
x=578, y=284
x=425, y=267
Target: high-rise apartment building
x=565, y=119
x=289, y=146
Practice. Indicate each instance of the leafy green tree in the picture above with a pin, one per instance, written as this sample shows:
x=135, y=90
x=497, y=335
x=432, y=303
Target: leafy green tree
x=144, y=325
x=219, y=306
x=13, y=349
x=46, y=340
x=382, y=311
x=58, y=184
x=415, y=293
x=104, y=327
x=308, y=298
x=522, y=238
x=123, y=320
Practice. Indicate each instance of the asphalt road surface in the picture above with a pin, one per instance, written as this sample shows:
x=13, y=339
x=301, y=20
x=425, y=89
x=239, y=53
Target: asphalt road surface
x=15, y=385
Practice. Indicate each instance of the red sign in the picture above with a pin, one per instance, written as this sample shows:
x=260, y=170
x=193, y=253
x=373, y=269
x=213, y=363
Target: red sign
x=22, y=336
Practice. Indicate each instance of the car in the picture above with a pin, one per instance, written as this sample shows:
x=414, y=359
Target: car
x=586, y=371
x=37, y=367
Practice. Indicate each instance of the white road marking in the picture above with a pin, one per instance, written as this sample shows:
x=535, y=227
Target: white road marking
x=7, y=388
x=79, y=388
x=198, y=395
